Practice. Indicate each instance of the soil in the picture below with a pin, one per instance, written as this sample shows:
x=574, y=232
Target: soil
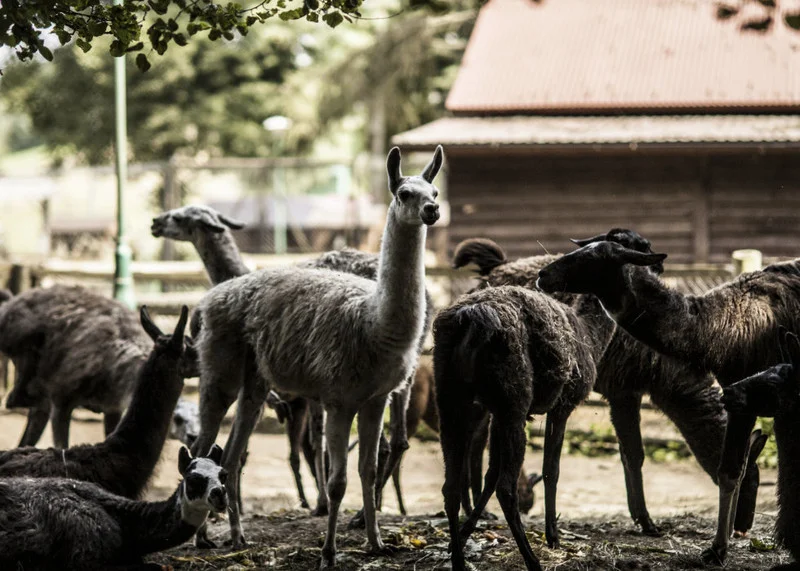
x=596, y=530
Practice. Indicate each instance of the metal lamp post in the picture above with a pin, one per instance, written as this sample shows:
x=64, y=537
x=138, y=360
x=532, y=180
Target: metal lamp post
x=123, y=280
x=279, y=124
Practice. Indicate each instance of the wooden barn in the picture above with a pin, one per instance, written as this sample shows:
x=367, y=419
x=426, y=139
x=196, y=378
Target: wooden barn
x=569, y=117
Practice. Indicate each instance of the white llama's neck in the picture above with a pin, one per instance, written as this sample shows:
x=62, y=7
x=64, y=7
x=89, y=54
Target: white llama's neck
x=220, y=256
x=401, y=282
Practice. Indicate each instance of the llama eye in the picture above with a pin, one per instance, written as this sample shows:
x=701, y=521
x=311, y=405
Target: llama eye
x=223, y=476
x=403, y=195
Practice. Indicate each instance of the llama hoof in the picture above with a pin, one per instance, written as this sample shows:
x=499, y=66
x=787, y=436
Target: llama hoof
x=320, y=511
x=713, y=556
x=328, y=561
x=650, y=529
x=553, y=542
x=357, y=521
x=739, y=534
x=304, y=504
x=204, y=543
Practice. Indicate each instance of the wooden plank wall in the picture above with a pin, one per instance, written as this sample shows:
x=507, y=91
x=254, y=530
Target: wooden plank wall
x=695, y=208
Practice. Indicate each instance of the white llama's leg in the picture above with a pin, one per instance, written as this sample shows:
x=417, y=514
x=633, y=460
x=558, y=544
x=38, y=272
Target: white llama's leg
x=370, y=426
x=337, y=437
x=316, y=428
x=248, y=412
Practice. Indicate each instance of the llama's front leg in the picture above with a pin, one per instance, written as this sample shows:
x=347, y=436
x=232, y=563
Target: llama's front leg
x=370, y=427
x=215, y=400
x=337, y=434
x=553, y=442
x=625, y=416
x=248, y=413
x=731, y=470
x=38, y=417
x=60, y=418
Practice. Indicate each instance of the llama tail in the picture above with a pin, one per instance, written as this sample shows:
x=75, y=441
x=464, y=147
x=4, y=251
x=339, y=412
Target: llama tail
x=482, y=252
x=480, y=323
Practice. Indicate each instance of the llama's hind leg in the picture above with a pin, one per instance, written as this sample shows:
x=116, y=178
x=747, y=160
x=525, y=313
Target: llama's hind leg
x=337, y=433
x=215, y=400
x=370, y=428
x=296, y=431
x=38, y=417
x=317, y=439
x=489, y=486
x=553, y=442
x=508, y=440
x=625, y=416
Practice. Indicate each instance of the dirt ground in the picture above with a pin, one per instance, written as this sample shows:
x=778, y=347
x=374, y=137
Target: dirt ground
x=595, y=528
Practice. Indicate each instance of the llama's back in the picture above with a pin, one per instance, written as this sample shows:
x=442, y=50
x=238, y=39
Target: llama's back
x=50, y=524
x=85, y=341
x=313, y=332
x=499, y=335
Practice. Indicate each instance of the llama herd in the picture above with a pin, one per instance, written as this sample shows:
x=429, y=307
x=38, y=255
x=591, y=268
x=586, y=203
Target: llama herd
x=342, y=335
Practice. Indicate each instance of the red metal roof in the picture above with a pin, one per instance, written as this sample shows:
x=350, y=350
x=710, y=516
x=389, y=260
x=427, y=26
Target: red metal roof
x=600, y=56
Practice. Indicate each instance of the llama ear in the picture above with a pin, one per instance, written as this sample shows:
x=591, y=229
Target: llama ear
x=393, y=169
x=151, y=328
x=177, y=335
x=230, y=222
x=184, y=459
x=432, y=168
x=210, y=224
x=586, y=241
x=628, y=256
x=215, y=454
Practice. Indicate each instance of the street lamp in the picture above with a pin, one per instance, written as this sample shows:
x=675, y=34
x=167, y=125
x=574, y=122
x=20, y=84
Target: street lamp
x=278, y=124
x=123, y=281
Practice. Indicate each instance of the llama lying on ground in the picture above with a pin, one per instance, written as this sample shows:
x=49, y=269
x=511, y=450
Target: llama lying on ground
x=209, y=231
x=627, y=370
x=343, y=340
x=729, y=331
x=123, y=463
x=776, y=393
x=71, y=348
x=62, y=524
x=518, y=353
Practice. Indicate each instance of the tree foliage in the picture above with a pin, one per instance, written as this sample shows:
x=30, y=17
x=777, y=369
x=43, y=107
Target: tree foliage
x=206, y=98
x=24, y=23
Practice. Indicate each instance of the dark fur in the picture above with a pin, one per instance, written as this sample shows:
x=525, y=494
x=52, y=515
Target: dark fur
x=518, y=353
x=774, y=393
x=61, y=524
x=627, y=371
x=125, y=460
x=729, y=331
x=71, y=348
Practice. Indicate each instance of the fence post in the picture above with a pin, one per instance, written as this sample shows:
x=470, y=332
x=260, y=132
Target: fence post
x=746, y=261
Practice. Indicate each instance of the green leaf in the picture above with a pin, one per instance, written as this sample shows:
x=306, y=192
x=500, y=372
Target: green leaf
x=83, y=44
x=792, y=20
x=333, y=19
x=46, y=53
x=63, y=36
x=135, y=47
x=251, y=20
x=228, y=35
x=312, y=17
x=173, y=25
x=117, y=49
x=97, y=28
x=142, y=63
x=295, y=14
x=214, y=35
x=180, y=39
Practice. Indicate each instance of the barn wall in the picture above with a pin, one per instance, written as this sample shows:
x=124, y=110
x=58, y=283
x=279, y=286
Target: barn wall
x=694, y=207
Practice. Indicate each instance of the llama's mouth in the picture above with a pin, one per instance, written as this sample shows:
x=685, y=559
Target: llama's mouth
x=430, y=219
x=157, y=229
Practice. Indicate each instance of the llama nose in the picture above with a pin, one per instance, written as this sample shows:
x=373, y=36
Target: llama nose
x=218, y=498
x=431, y=209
